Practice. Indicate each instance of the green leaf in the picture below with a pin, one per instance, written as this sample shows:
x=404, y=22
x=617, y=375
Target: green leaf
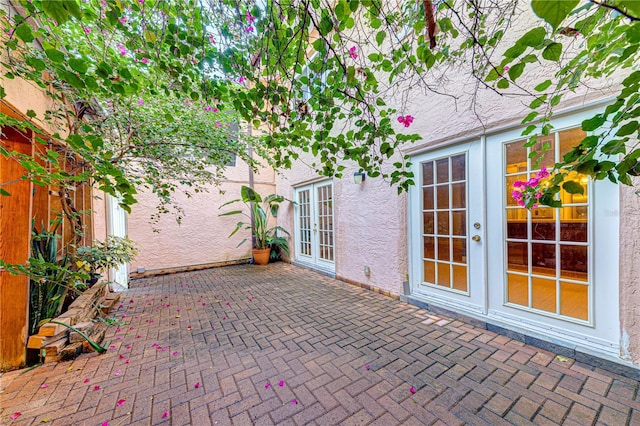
x=532, y=115
x=31, y=113
x=631, y=7
x=628, y=129
x=593, y=123
x=553, y=11
x=573, y=187
x=503, y=83
x=543, y=86
x=55, y=55
x=552, y=52
x=4, y=192
x=23, y=32
x=533, y=38
x=537, y=102
x=79, y=65
x=58, y=10
x=516, y=71
x=2, y=92
x=380, y=37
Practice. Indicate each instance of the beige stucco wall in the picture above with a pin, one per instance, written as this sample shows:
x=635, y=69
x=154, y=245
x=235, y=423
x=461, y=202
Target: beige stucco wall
x=630, y=272
x=365, y=235
x=202, y=236
x=371, y=219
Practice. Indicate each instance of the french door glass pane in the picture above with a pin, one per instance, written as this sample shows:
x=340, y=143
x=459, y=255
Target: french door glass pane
x=547, y=249
x=305, y=222
x=325, y=222
x=444, y=221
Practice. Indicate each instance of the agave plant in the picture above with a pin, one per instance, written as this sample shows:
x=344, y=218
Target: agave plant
x=263, y=209
x=51, y=278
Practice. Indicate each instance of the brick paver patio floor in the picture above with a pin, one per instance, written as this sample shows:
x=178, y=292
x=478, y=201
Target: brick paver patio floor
x=199, y=348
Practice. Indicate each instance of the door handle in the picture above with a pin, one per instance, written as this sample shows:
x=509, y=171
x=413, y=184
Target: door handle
x=315, y=228
x=476, y=238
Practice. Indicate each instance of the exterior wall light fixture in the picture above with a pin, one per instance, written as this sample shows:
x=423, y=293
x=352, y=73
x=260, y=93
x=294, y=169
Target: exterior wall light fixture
x=359, y=177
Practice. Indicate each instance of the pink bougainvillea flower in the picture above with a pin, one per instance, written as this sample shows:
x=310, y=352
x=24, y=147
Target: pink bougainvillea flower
x=87, y=30
x=105, y=423
x=96, y=387
x=174, y=353
x=121, y=47
x=131, y=328
x=138, y=336
x=406, y=120
x=118, y=372
x=249, y=29
x=123, y=20
x=86, y=381
x=117, y=329
x=154, y=345
x=189, y=327
x=250, y=17
x=126, y=362
x=267, y=385
x=128, y=346
x=412, y=389
x=211, y=39
x=352, y=52
x=121, y=356
x=165, y=348
x=242, y=79
x=228, y=304
x=224, y=318
x=294, y=401
x=121, y=402
x=506, y=67
x=123, y=52
x=281, y=383
x=367, y=367
x=144, y=60
x=165, y=414
x=112, y=347
x=44, y=386
x=16, y=415
x=197, y=385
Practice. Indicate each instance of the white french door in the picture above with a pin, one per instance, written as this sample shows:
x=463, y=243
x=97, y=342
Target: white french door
x=555, y=270
x=117, y=225
x=447, y=228
x=548, y=273
x=314, y=231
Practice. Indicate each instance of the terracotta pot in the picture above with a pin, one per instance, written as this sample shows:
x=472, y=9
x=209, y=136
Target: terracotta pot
x=261, y=257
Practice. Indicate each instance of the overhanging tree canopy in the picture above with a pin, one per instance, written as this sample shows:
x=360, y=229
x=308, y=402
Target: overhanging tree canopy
x=319, y=76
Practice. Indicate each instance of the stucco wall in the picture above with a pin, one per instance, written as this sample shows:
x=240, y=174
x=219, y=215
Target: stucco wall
x=630, y=272
x=202, y=236
x=365, y=234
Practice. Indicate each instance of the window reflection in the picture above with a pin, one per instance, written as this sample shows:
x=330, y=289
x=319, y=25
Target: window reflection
x=547, y=245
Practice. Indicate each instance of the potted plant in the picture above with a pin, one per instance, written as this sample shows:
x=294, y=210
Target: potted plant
x=103, y=255
x=265, y=238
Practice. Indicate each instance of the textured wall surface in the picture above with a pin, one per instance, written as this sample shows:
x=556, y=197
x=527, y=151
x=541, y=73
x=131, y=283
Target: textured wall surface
x=370, y=223
x=630, y=272
x=202, y=236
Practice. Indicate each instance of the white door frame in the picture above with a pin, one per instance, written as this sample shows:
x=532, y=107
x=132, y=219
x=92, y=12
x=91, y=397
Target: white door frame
x=602, y=335
x=472, y=302
x=314, y=259
x=117, y=225
x=602, y=332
